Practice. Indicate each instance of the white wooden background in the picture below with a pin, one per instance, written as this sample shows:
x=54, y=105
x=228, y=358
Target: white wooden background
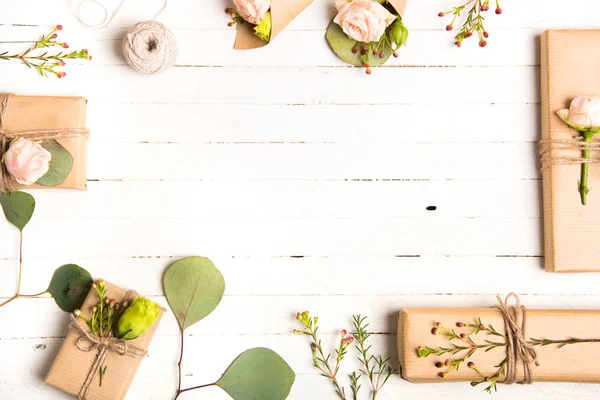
x=303, y=179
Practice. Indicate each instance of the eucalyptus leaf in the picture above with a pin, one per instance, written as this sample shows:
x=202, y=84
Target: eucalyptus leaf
x=194, y=288
x=69, y=286
x=18, y=208
x=342, y=45
x=60, y=165
x=258, y=374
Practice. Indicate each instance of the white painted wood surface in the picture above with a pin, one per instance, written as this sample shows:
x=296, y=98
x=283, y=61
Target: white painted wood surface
x=304, y=180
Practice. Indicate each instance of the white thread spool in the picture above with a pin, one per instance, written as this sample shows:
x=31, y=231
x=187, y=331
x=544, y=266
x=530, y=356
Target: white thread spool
x=149, y=47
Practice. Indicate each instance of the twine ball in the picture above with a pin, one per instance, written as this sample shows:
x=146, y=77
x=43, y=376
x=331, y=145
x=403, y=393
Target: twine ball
x=149, y=47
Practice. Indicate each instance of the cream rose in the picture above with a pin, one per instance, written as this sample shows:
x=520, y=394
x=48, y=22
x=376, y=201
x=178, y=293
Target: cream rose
x=27, y=161
x=363, y=20
x=252, y=11
x=583, y=113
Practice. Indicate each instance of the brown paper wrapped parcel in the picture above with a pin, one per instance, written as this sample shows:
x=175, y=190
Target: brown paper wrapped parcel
x=44, y=113
x=71, y=366
x=570, y=61
x=577, y=362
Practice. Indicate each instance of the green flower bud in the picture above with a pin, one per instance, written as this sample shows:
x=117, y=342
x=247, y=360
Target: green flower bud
x=398, y=33
x=263, y=30
x=137, y=318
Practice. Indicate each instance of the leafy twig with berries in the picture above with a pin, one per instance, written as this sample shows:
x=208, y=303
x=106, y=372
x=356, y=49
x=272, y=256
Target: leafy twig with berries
x=45, y=63
x=474, y=21
x=463, y=347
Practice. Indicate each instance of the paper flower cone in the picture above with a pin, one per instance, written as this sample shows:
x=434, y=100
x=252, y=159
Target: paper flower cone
x=282, y=13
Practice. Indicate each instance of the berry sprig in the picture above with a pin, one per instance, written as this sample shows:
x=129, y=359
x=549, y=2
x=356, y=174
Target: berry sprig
x=235, y=17
x=45, y=63
x=463, y=347
x=474, y=21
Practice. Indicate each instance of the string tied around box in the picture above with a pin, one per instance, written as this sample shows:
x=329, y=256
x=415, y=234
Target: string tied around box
x=518, y=349
x=148, y=47
x=576, y=143
x=88, y=341
x=6, y=180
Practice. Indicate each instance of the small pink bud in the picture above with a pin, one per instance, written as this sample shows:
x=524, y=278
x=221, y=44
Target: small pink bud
x=355, y=50
x=471, y=364
x=442, y=375
x=460, y=324
x=350, y=340
x=482, y=43
x=230, y=24
x=54, y=36
x=439, y=364
x=58, y=27
x=365, y=47
x=438, y=324
x=368, y=71
x=486, y=35
x=473, y=384
x=498, y=11
x=313, y=346
x=449, y=27
x=65, y=46
x=447, y=362
x=343, y=332
x=375, y=51
x=434, y=331
x=480, y=326
x=458, y=43
x=344, y=341
x=441, y=14
x=469, y=34
x=381, y=55
x=395, y=54
x=462, y=336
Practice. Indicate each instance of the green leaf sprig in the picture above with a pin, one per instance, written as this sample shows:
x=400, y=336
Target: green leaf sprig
x=463, y=346
x=46, y=64
x=194, y=288
x=375, y=368
x=474, y=21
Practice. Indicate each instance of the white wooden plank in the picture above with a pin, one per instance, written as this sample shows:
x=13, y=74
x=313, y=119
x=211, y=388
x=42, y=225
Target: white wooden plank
x=305, y=85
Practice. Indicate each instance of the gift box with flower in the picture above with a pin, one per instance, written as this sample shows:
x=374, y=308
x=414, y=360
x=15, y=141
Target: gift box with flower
x=570, y=105
x=107, y=341
x=260, y=21
x=43, y=142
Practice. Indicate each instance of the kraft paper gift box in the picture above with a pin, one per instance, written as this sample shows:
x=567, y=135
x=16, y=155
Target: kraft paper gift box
x=570, y=67
x=72, y=366
x=39, y=113
x=575, y=362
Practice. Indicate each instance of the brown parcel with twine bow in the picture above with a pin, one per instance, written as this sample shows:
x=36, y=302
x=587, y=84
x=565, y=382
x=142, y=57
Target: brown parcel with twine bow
x=570, y=65
x=71, y=366
x=33, y=113
x=576, y=362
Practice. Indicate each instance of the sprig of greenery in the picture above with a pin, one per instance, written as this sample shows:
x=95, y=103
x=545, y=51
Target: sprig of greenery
x=46, y=63
x=474, y=21
x=468, y=347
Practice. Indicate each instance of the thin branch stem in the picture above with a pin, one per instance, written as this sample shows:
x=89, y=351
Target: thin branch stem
x=179, y=391
x=20, y=262
x=197, y=387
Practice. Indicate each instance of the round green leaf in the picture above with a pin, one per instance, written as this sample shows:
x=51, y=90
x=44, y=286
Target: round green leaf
x=194, y=288
x=69, y=286
x=18, y=208
x=342, y=45
x=60, y=165
x=258, y=374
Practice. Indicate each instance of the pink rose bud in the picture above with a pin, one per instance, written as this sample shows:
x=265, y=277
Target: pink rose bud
x=583, y=113
x=27, y=161
x=363, y=20
x=252, y=11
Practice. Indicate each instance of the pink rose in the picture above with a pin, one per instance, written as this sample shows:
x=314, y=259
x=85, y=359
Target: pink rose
x=27, y=161
x=363, y=20
x=252, y=11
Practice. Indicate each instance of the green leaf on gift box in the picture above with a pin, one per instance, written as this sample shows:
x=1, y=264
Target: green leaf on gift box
x=18, y=208
x=194, y=288
x=342, y=45
x=258, y=374
x=69, y=286
x=60, y=166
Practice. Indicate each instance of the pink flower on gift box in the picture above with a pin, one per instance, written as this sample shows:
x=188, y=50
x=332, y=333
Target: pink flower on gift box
x=27, y=161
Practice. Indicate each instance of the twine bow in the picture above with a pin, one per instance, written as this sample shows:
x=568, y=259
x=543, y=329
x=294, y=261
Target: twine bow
x=518, y=349
x=88, y=341
x=576, y=143
x=6, y=181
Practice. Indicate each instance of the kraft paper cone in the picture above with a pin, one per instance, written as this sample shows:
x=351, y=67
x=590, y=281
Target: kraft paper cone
x=282, y=13
x=399, y=6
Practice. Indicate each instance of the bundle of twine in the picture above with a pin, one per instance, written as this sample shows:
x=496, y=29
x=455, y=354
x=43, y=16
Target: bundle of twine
x=149, y=47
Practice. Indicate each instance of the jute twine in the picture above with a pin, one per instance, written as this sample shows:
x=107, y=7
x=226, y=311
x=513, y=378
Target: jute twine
x=88, y=341
x=149, y=47
x=576, y=143
x=518, y=349
x=6, y=181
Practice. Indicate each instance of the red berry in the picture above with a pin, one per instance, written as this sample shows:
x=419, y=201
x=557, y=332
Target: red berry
x=447, y=362
x=395, y=54
x=90, y=58
x=58, y=27
x=441, y=14
x=469, y=34
x=442, y=375
x=367, y=65
x=365, y=47
x=482, y=43
x=368, y=71
x=498, y=11
x=462, y=336
x=54, y=36
x=355, y=50
x=458, y=44
x=343, y=332
x=486, y=35
x=449, y=27
x=471, y=364
x=434, y=331
x=439, y=364
x=381, y=55
x=64, y=45
x=375, y=52
x=460, y=324
x=230, y=24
